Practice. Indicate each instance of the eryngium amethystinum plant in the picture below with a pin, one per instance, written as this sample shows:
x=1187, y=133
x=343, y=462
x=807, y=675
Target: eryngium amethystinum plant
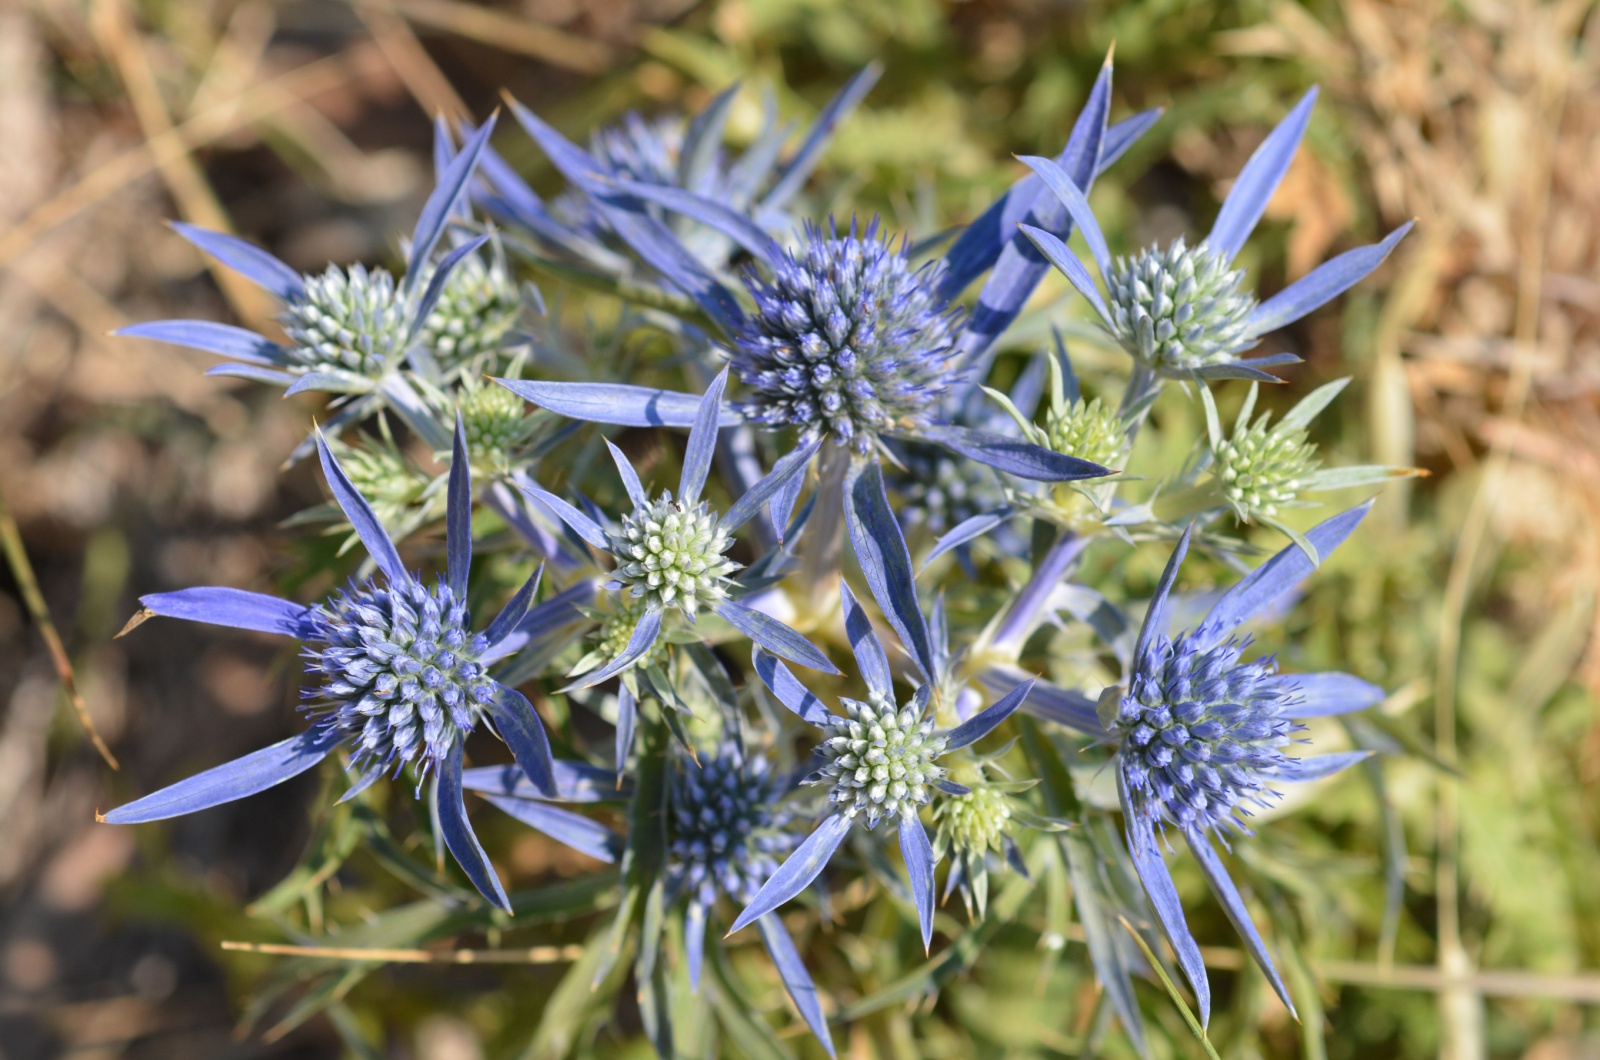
x=830, y=367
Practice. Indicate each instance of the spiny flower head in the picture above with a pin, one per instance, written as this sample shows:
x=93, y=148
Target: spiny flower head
x=477, y=309
x=1180, y=309
x=1264, y=466
x=353, y=320
x=880, y=759
x=671, y=555
x=401, y=673
x=729, y=827
x=496, y=424
x=942, y=490
x=847, y=339
x=972, y=823
x=1089, y=430
x=1202, y=733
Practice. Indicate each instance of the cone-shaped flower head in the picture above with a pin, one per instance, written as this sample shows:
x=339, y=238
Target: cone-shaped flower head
x=879, y=759
x=354, y=319
x=1180, y=308
x=729, y=826
x=1202, y=733
x=671, y=554
x=848, y=339
x=1090, y=430
x=971, y=824
x=1264, y=466
x=476, y=312
x=401, y=672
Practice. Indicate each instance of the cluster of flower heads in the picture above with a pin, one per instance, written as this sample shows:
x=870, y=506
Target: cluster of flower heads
x=856, y=342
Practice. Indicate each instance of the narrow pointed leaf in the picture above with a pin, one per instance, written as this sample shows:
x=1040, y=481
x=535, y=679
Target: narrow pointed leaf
x=629, y=476
x=575, y=782
x=1062, y=257
x=969, y=529
x=774, y=636
x=871, y=659
x=1248, y=199
x=798, y=168
x=248, y=775
x=1276, y=576
x=702, y=442
x=515, y=610
x=1331, y=693
x=1155, y=619
x=237, y=609
x=643, y=639
x=702, y=141
x=1071, y=197
x=881, y=548
x=221, y=339
x=789, y=468
x=571, y=829
x=796, y=980
x=787, y=687
x=253, y=372
x=731, y=223
x=581, y=524
x=247, y=259
x=694, y=942
x=918, y=854
x=627, y=718
x=362, y=518
x=458, y=514
x=1323, y=284
x=1013, y=455
x=519, y=726
x=1300, y=770
x=458, y=833
x=984, y=722
x=795, y=874
x=1163, y=895
x=436, y=211
x=1222, y=886
x=619, y=403
x=441, y=276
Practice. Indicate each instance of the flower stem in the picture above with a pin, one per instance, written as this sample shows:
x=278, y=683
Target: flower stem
x=1023, y=617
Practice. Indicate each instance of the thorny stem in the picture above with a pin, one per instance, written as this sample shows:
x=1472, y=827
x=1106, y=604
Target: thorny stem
x=33, y=599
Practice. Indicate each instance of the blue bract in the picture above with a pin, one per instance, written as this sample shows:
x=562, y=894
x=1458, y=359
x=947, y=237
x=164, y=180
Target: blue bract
x=879, y=762
x=404, y=679
x=669, y=553
x=352, y=330
x=1180, y=310
x=1202, y=736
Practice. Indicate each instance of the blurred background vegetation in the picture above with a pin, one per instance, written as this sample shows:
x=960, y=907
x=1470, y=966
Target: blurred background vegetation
x=1476, y=354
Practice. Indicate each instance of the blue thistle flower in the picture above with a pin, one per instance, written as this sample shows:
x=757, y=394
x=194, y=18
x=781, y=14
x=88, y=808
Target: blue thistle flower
x=404, y=679
x=848, y=339
x=1202, y=737
x=880, y=762
x=350, y=330
x=1181, y=311
x=669, y=552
